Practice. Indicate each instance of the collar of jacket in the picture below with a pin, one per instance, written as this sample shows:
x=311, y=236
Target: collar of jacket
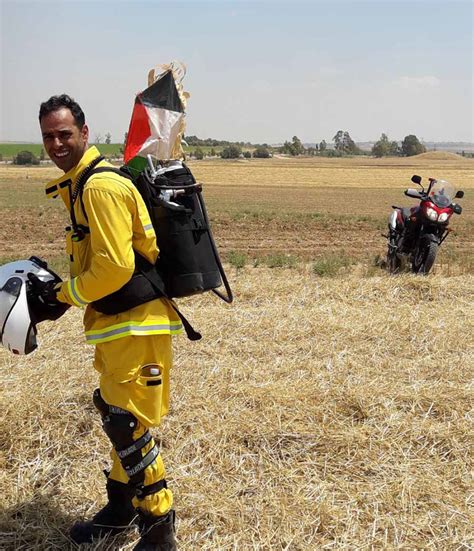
x=54, y=187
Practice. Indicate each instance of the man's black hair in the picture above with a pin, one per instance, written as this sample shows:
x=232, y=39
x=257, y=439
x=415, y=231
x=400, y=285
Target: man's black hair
x=58, y=102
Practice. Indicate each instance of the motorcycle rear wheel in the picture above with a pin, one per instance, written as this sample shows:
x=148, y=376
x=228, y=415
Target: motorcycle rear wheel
x=424, y=258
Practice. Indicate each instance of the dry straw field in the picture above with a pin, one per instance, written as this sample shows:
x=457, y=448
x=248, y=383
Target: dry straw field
x=322, y=410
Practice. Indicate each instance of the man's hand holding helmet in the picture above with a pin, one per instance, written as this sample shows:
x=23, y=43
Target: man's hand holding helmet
x=27, y=297
x=43, y=300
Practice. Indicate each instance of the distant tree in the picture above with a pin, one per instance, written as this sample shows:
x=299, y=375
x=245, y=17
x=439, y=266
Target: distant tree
x=344, y=144
x=231, y=152
x=412, y=146
x=295, y=147
x=298, y=148
x=122, y=149
x=338, y=141
x=212, y=152
x=394, y=150
x=25, y=158
x=261, y=152
x=385, y=148
x=98, y=138
x=323, y=146
x=190, y=140
x=380, y=148
x=41, y=154
x=247, y=154
x=349, y=145
x=199, y=154
x=108, y=138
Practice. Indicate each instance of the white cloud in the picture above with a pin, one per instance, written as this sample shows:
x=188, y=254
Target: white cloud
x=260, y=85
x=330, y=71
x=418, y=83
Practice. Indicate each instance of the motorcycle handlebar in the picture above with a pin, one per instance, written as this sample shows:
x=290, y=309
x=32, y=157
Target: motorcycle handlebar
x=415, y=194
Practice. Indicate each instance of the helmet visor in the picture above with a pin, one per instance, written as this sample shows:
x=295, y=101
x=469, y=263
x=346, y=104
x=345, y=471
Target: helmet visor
x=8, y=296
x=31, y=343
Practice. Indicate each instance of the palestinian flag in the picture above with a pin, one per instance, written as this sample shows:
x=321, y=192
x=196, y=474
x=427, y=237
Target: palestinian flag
x=157, y=123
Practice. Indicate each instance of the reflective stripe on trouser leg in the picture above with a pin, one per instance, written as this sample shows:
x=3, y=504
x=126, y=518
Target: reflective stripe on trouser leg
x=136, y=459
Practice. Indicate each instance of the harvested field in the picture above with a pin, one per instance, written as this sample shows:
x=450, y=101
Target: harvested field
x=304, y=207
x=316, y=413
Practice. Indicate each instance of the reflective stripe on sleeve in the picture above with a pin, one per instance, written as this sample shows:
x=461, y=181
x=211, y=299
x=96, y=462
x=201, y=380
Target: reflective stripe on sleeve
x=128, y=328
x=148, y=227
x=74, y=293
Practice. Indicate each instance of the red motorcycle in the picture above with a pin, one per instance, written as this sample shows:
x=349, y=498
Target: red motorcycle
x=415, y=233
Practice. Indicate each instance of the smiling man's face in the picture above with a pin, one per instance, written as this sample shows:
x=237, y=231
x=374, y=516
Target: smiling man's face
x=64, y=141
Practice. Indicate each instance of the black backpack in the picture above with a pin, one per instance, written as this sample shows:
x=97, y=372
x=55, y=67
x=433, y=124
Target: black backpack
x=188, y=263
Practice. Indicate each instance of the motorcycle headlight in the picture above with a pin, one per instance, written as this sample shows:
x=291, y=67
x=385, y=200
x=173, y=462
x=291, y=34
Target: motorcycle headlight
x=443, y=217
x=432, y=214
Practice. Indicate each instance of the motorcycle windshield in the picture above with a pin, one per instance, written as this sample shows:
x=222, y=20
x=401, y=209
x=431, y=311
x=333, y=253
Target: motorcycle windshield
x=441, y=193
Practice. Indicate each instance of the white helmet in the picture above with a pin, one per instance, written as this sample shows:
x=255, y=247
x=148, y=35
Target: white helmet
x=17, y=313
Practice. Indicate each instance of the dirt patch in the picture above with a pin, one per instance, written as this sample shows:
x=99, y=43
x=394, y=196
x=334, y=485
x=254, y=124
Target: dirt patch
x=286, y=206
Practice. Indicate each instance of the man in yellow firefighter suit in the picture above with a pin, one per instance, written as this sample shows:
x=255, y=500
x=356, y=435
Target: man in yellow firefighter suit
x=133, y=351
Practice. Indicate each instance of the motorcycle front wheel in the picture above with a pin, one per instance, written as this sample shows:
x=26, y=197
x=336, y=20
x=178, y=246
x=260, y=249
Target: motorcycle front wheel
x=394, y=262
x=424, y=257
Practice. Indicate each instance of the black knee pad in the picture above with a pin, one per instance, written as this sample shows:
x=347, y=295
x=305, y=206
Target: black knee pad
x=119, y=425
x=119, y=428
x=100, y=404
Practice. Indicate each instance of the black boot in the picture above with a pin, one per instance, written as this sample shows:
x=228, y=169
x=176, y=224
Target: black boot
x=157, y=533
x=114, y=518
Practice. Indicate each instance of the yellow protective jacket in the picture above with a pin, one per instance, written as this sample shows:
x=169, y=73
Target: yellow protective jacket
x=104, y=260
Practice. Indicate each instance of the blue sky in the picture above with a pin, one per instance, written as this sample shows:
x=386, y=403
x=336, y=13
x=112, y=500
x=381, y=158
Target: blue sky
x=261, y=71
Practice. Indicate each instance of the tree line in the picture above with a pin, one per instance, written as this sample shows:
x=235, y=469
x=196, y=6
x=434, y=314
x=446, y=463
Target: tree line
x=345, y=145
x=342, y=145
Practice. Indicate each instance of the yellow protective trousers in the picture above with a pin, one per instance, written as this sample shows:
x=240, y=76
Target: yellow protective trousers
x=133, y=396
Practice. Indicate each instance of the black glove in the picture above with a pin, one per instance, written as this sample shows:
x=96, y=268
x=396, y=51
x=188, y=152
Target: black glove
x=42, y=299
x=44, y=290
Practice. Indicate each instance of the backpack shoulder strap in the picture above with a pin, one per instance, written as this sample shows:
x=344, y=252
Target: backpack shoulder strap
x=141, y=264
x=120, y=171
x=80, y=230
x=98, y=170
